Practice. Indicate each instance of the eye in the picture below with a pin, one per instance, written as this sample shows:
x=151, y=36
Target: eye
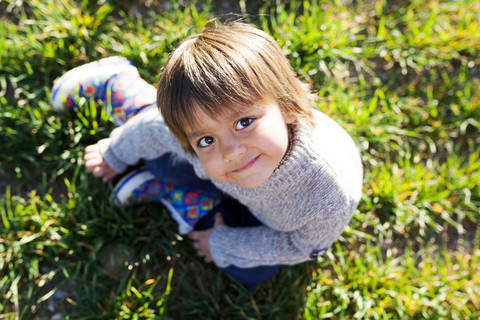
x=205, y=142
x=243, y=123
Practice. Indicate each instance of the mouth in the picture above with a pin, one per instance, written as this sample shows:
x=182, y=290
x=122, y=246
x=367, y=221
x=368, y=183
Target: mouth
x=247, y=165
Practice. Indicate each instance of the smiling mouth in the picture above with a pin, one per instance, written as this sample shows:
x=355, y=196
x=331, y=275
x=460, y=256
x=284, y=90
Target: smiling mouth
x=247, y=165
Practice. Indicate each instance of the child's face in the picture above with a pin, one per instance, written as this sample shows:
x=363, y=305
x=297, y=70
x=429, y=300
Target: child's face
x=242, y=147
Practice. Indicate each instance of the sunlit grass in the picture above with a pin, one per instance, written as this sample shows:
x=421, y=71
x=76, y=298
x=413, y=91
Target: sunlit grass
x=371, y=284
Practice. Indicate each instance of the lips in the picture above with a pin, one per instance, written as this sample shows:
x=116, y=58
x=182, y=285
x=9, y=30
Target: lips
x=247, y=165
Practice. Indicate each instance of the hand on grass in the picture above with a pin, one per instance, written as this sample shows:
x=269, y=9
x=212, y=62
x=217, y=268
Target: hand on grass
x=200, y=239
x=95, y=163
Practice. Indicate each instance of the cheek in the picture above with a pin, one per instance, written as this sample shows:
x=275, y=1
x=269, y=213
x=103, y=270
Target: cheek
x=276, y=143
x=211, y=166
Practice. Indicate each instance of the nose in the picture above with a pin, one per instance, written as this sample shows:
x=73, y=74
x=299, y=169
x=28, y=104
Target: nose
x=233, y=147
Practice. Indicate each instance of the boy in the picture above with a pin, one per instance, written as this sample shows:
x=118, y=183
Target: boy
x=237, y=124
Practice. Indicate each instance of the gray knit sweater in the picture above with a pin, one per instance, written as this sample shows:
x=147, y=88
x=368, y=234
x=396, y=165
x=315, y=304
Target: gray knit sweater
x=304, y=205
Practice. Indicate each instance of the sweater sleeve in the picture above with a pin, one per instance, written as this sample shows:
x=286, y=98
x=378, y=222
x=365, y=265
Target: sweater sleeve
x=144, y=136
x=253, y=246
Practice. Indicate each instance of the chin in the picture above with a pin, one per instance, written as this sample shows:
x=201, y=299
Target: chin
x=251, y=184
x=248, y=186
x=245, y=183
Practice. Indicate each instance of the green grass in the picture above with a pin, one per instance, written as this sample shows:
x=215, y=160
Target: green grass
x=403, y=77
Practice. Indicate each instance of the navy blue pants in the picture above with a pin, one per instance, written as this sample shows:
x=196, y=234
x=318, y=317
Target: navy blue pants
x=172, y=169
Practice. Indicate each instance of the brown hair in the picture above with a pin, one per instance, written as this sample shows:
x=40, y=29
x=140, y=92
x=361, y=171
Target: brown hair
x=226, y=66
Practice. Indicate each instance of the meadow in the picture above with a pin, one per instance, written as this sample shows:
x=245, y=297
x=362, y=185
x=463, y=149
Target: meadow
x=401, y=76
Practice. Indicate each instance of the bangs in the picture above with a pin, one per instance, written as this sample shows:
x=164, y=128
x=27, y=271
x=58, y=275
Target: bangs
x=213, y=93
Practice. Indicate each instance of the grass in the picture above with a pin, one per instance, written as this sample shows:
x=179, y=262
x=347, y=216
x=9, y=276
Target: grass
x=402, y=77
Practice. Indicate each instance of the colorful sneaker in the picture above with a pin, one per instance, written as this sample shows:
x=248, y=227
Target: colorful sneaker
x=125, y=96
x=88, y=81
x=186, y=206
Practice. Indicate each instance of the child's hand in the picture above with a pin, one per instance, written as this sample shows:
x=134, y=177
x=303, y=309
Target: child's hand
x=96, y=165
x=200, y=239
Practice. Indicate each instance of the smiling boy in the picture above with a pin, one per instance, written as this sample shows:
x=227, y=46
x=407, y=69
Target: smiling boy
x=237, y=122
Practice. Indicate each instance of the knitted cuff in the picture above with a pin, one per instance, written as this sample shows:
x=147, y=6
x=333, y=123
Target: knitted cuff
x=108, y=155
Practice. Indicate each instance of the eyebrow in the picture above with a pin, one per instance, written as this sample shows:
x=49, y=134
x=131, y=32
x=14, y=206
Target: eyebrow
x=194, y=135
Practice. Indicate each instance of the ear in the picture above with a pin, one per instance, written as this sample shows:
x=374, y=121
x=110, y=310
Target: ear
x=289, y=117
